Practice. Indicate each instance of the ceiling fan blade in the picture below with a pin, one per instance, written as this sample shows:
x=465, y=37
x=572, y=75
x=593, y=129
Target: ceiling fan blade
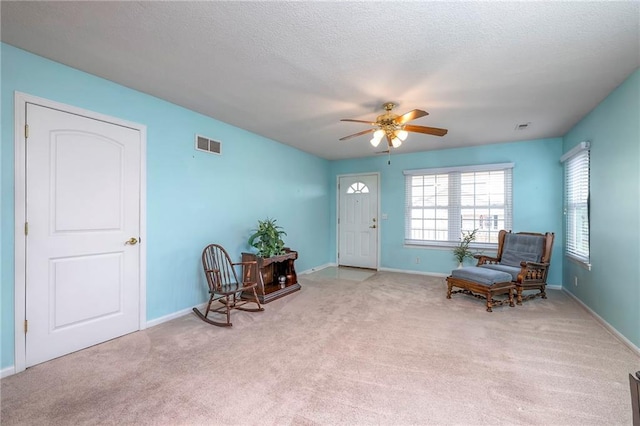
x=411, y=115
x=426, y=130
x=364, y=132
x=373, y=123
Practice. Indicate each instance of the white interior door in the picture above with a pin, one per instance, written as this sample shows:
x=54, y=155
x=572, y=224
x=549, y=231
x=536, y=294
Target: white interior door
x=358, y=221
x=82, y=208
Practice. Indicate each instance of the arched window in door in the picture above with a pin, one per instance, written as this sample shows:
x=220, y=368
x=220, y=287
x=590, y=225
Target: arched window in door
x=358, y=188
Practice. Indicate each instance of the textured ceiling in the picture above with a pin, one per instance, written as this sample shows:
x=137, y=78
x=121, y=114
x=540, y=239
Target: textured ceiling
x=290, y=71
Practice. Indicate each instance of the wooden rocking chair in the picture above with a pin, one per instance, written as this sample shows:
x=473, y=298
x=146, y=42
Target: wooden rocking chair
x=224, y=285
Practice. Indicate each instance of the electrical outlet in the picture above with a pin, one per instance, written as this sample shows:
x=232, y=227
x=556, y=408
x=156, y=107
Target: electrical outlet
x=575, y=281
x=417, y=260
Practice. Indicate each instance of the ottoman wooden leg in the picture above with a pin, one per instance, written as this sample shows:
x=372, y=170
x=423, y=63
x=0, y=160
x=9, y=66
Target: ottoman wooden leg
x=448, y=290
x=511, y=297
x=489, y=302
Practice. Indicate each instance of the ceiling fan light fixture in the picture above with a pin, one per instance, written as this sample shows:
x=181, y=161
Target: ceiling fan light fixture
x=377, y=137
x=402, y=135
x=394, y=127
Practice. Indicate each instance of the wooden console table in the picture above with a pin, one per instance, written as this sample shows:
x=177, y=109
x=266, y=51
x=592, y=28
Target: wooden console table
x=270, y=269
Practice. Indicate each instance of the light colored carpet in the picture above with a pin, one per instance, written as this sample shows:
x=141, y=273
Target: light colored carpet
x=389, y=349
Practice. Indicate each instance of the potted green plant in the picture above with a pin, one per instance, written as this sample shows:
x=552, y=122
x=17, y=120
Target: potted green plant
x=462, y=251
x=267, y=238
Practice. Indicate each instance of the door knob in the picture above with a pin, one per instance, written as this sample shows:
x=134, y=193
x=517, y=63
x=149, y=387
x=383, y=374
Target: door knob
x=372, y=226
x=133, y=241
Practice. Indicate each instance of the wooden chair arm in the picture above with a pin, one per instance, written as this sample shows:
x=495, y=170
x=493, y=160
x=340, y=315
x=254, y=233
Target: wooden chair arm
x=534, y=264
x=246, y=279
x=484, y=259
x=533, y=272
x=251, y=262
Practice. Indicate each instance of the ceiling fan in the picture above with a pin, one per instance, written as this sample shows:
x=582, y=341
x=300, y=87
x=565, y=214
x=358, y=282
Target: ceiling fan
x=394, y=127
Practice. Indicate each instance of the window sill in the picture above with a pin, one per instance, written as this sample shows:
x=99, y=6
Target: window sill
x=579, y=262
x=448, y=245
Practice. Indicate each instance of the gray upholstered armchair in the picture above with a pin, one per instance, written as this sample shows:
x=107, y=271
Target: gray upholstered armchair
x=526, y=257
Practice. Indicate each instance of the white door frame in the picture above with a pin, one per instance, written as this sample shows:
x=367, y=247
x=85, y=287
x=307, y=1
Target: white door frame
x=377, y=175
x=20, y=108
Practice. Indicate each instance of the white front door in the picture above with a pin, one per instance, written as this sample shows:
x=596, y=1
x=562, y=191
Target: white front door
x=358, y=221
x=82, y=208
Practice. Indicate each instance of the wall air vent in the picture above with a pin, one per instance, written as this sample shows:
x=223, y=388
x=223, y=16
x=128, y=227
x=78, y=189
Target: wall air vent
x=523, y=126
x=208, y=145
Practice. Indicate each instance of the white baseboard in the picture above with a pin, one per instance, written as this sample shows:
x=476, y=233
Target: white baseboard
x=8, y=371
x=605, y=324
x=174, y=315
x=203, y=306
x=404, y=271
x=407, y=271
x=317, y=268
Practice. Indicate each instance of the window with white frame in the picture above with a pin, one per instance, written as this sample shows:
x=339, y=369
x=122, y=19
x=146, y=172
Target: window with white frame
x=442, y=204
x=576, y=202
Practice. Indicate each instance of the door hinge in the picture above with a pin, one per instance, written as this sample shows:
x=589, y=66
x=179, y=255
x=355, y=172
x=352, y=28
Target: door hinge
x=26, y=326
x=26, y=228
x=26, y=130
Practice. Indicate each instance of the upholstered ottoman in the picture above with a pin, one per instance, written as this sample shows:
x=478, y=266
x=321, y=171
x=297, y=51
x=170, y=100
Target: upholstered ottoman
x=482, y=283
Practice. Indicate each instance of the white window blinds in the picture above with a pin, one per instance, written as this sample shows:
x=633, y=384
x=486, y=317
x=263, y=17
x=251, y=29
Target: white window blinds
x=576, y=202
x=441, y=204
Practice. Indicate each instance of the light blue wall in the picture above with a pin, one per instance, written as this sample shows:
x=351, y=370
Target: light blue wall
x=193, y=198
x=537, y=197
x=612, y=287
